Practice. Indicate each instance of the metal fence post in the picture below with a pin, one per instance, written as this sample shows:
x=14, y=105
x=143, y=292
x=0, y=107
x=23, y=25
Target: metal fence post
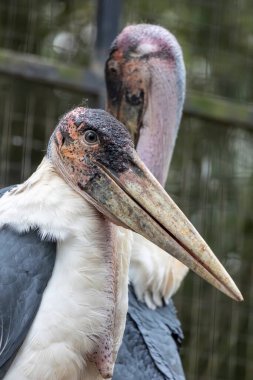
x=108, y=19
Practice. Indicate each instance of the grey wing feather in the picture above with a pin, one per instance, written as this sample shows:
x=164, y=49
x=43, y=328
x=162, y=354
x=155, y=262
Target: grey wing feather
x=26, y=265
x=150, y=344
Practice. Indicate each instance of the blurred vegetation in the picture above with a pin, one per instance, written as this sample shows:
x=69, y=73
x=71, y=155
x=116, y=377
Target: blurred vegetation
x=211, y=176
x=64, y=30
x=216, y=37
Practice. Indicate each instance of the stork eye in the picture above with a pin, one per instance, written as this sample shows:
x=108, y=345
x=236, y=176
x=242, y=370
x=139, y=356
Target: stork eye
x=134, y=99
x=91, y=137
x=113, y=70
x=112, y=67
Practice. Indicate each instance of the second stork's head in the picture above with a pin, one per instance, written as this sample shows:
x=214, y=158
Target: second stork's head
x=145, y=79
x=94, y=154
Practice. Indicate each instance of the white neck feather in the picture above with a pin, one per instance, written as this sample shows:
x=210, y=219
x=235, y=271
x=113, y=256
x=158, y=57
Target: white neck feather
x=47, y=202
x=84, y=305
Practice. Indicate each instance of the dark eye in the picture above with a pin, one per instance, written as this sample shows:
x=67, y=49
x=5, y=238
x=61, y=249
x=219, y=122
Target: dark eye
x=91, y=137
x=113, y=70
x=135, y=99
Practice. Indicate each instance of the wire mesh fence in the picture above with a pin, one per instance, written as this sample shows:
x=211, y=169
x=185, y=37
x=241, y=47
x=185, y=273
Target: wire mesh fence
x=211, y=176
x=211, y=179
x=63, y=30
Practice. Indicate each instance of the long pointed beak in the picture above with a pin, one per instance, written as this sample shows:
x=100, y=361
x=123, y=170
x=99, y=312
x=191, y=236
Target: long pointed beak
x=136, y=200
x=128, y=115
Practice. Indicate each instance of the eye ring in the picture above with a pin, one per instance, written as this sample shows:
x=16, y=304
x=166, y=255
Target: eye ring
x=91, y=137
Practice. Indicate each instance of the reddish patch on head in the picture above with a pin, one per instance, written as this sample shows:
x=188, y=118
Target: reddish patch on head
x=68, y=135
x=72, y=130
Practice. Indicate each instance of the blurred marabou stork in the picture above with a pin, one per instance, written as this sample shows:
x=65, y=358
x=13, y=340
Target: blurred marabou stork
x=145, y=79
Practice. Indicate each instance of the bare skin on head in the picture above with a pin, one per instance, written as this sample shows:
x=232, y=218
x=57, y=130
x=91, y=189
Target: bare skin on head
x=95, y=155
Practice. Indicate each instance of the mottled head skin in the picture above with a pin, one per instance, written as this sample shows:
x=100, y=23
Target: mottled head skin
x=145, y=79
x=108, y=172
x=78, y=158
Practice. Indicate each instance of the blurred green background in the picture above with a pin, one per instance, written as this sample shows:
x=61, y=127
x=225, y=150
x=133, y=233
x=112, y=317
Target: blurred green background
x=211, y=176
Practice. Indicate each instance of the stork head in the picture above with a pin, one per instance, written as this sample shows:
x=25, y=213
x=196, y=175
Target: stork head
x=94, y=154
x=145, y=79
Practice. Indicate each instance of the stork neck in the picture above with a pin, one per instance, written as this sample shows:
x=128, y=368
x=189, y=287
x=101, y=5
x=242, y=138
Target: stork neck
x=88, y=288
x=162, y=117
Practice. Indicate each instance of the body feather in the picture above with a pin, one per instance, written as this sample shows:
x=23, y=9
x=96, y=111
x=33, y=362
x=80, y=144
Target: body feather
x=81, y=301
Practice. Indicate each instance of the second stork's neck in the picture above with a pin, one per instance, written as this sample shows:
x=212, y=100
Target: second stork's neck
x=162, y=117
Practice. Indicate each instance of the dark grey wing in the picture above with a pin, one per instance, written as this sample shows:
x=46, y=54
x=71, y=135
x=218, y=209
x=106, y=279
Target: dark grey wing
x=6, y=189
x=26, y=264
x=150, y=344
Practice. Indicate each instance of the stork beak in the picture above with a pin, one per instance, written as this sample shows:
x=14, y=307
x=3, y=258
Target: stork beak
x=136, y=200
x=128, y=115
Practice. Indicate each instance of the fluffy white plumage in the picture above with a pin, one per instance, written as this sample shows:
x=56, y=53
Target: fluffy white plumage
x=87, y=293
x=155, y=275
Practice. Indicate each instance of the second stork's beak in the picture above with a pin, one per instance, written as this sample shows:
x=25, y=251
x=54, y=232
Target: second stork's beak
x=136, y=200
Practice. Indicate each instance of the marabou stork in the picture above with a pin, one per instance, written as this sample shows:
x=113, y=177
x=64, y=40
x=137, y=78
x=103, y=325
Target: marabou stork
x=68, y=324
x=145, y=79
